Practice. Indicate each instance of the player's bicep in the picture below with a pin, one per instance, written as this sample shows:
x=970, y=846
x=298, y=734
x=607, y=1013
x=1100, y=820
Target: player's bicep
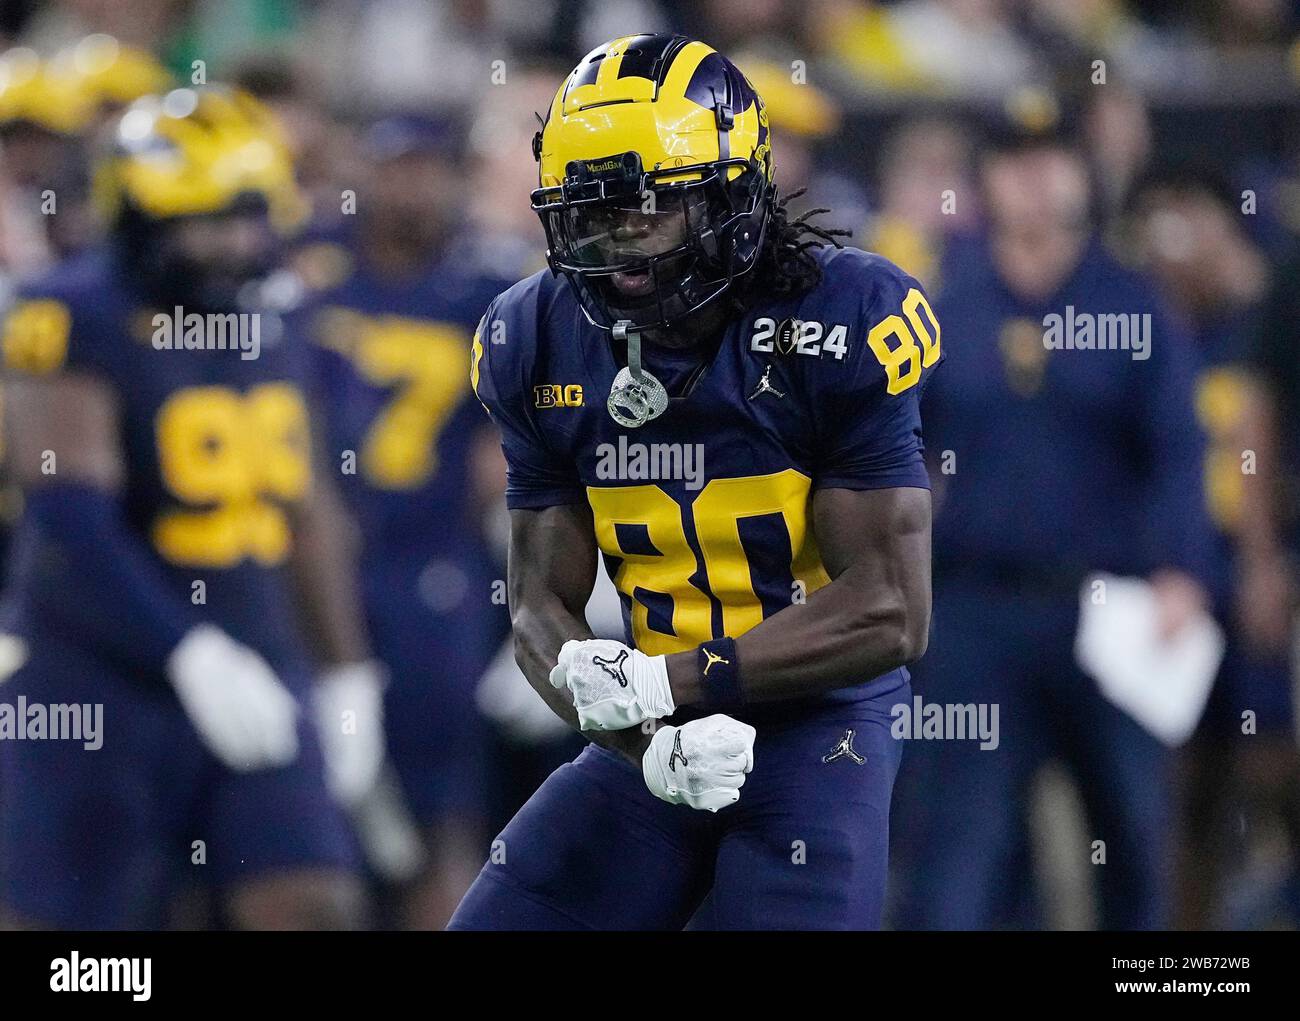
x=878, y=541
x=62, y=428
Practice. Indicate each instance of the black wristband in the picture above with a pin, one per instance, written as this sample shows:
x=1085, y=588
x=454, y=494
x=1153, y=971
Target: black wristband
x=720, y=673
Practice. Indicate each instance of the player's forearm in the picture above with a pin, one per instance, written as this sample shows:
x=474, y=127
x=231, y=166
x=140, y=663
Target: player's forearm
x=323, y=566
x=541, y=625
x=841, y=636
x=541, y=628
x=552, y=569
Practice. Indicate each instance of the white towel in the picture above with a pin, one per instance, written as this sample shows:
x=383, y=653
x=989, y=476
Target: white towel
x=1163, y=685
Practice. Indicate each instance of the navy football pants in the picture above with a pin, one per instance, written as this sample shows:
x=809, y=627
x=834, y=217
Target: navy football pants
x=100, y=839
x=805, y=847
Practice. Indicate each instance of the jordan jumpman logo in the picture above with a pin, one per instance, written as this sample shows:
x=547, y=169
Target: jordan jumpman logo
x=613, y=667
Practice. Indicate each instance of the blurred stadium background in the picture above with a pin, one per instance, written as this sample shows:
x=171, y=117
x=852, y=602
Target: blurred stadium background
x=1188, y=117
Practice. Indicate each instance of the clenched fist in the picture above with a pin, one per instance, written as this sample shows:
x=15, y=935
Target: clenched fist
x=613, y=686
x=701, y=764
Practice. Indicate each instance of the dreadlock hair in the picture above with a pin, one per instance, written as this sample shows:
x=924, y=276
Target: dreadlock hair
x=786, y=267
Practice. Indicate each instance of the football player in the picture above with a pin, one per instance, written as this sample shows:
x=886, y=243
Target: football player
x=175, y=553
x=726, y=408
x=394, y=341
x=44, y=116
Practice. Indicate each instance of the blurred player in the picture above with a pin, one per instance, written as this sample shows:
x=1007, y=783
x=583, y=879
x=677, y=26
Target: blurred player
x=772, y=593
x=1054, y=464
x=1244, y=764
x=51, y=112
x=395, y=339
x=176, y=548
x=43, y=170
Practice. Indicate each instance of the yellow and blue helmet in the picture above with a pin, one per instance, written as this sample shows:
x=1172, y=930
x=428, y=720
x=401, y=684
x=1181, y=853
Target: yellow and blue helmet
x=655, y=166
x=198, y=152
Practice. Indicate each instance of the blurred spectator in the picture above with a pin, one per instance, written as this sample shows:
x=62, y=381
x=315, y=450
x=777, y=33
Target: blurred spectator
x=861, y=39
x=1248, y=22
x=774, y=29
x=926, y=195
x=1050, y=464
x=147, y=24
x=807, y=121
x=969, y=47
x=1117, y=133
x=322, y=146
x=503, y=172
x=391, y=54
x=1244, y=764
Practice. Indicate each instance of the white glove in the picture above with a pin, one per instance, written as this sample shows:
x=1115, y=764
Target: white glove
x=701, y=764
x=613, y=686
x=245, y=716
x=349, y=704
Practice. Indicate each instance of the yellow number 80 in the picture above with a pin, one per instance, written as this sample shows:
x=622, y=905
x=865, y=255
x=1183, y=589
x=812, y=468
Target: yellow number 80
x=908, y=352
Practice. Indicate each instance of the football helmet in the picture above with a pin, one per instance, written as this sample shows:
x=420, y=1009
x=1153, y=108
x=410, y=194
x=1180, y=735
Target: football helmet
x=195, y=153
x=656, y=187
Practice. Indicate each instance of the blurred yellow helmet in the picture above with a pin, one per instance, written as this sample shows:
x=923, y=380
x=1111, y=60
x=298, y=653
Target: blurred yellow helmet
x=667, y=130
x=198, y=151
x=108, y=72
x=32, y=92
x=796, y=109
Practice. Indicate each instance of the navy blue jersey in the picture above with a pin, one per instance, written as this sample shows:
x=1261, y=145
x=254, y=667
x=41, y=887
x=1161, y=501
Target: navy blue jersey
x=216, y=449
x=393, y=367
x=1054, y=461
x=703, y=514
x=392, y=358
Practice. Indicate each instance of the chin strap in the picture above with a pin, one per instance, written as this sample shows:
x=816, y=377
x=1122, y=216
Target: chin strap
x=636, y=396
